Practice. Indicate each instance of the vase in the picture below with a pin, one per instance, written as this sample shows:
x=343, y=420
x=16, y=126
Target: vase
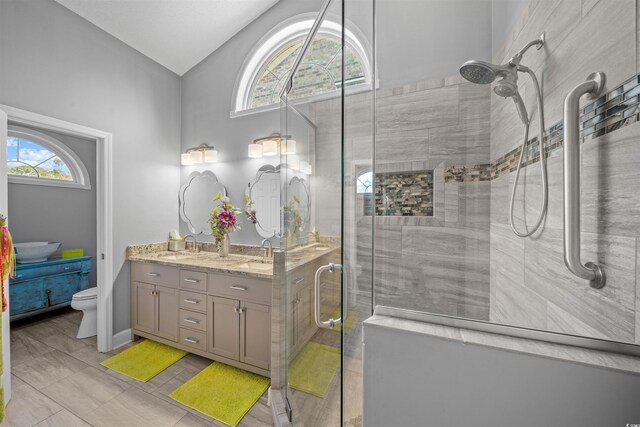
x=224, y=251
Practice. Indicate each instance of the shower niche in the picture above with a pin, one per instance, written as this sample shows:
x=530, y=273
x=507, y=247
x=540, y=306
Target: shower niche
x=404, y=193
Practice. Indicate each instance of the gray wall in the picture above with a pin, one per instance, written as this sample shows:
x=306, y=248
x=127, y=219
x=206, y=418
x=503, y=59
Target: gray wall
x=415, y=380
x=207, y=91
x=57, y=64
x=58, y=214
x=582, y=37
x=504, y=15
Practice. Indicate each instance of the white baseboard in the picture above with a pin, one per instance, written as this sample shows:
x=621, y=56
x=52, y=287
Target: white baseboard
x=122, y=338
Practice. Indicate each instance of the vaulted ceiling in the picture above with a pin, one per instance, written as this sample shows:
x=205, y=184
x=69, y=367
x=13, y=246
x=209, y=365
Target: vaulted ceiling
x=175, y=33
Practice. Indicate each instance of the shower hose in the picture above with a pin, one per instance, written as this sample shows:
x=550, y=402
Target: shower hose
x=543, y=166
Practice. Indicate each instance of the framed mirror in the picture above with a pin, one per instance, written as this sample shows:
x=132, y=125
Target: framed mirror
x=264, y=193
x=196, y=200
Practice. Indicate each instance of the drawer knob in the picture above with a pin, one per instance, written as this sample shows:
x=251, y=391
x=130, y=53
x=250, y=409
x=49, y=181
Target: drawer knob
x=153, y=274
x=192, y=301
x=190, y=320
x=192, y=280
x=238, y=288
x=192, y=340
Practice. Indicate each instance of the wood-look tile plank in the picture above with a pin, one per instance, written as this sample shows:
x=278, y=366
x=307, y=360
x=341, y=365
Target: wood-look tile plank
x=85, y=391
x=27, y=406
x=63, y=418
x=135, y=407
x=48, y=368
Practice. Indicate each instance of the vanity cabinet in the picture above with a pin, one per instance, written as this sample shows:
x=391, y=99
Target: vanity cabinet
x=225, y=317
x=155, y=310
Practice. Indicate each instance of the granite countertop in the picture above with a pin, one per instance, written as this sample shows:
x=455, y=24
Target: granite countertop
x=246, y=265
x=244, y=260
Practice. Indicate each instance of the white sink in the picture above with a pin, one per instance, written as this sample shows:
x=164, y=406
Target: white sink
x=256, y=266
x=34, y=251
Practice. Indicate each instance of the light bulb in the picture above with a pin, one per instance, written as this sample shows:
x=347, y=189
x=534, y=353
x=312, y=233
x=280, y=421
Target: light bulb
x=270, y=147
x=196, y=157
x=185, y=159
x=290, y=146
x=210, y=156
x=255, y=151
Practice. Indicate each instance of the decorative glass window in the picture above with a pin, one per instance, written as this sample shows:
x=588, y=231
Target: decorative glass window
x=267, y=68
x=364, y=183
x=36, y=158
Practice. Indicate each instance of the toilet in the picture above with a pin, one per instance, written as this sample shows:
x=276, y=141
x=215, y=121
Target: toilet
x=87, y=302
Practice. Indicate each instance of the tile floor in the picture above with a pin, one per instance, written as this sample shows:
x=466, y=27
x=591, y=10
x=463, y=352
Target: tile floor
x=57, y=380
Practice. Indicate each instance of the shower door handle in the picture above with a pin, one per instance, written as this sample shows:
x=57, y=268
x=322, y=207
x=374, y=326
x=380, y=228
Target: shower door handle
x=589, y=271
x=331, y=322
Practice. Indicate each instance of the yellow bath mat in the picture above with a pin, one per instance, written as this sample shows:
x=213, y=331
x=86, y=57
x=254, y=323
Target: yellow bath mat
x=313, y=368
x=352, y=316
x=145, y=360
x=222, y=392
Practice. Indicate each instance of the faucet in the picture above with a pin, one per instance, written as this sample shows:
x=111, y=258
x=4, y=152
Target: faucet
x=268, y=251
x=194, y=247
x=313, y=235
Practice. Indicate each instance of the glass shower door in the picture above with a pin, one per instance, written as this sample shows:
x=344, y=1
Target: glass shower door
x=322, y=304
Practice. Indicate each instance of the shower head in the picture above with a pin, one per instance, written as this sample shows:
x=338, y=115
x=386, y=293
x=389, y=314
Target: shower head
x=481, y=72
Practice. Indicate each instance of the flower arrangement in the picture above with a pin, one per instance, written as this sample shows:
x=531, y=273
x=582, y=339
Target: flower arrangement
x=292, y=216
x=224, y=220
x=249, y=211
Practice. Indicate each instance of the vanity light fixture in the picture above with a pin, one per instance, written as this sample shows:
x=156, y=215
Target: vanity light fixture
x=271, y=146
x=201, y=154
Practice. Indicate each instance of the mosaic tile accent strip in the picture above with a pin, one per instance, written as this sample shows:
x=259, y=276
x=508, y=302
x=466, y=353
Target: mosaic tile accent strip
x=612, y=111
x=404, y=194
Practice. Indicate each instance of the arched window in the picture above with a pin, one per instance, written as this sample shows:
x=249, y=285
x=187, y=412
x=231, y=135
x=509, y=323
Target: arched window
x=36, y=158
x=266, y=69
x=364, y=183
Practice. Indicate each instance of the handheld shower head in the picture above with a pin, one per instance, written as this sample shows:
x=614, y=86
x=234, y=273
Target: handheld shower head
x=481, y=72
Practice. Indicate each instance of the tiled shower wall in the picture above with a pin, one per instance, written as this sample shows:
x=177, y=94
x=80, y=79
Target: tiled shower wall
x=530, y=286
x=437, y=263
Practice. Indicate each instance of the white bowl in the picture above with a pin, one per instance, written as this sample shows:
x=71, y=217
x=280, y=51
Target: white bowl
x=35, y=251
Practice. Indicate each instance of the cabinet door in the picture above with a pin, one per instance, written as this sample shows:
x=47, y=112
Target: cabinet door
x=255, y=335
x=143, y=302
x=224, y=327
x=60, y=289
x=303, y=312
x=167, y=313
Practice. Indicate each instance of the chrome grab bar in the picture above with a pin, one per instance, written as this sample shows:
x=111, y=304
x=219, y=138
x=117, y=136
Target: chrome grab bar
x=590, y=271
x=331, y=322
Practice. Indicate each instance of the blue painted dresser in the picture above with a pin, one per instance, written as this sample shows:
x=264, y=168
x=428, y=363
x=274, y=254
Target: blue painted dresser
x=47, y=285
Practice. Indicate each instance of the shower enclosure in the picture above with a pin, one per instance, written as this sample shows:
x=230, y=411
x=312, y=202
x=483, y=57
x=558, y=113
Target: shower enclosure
x=411, y=168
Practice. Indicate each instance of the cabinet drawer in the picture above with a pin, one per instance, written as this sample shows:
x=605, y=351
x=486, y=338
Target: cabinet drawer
x=193, y=301
x=193, y=320
x=194, y=280
x=243, y=288
x=154, y=273
x=193, y=339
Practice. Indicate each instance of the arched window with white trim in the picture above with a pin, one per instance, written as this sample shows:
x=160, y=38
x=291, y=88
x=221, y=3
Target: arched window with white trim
x=39, y=159
x=267, y=67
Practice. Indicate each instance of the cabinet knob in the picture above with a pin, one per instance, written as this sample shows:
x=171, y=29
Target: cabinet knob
x=192, y=280
x=191, y=301
x=238, y=288
x=192, y=340
x=190, y=320
x=153, y=274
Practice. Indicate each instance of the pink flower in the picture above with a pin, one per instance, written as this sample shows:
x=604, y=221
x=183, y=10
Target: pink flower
x=227, y=219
